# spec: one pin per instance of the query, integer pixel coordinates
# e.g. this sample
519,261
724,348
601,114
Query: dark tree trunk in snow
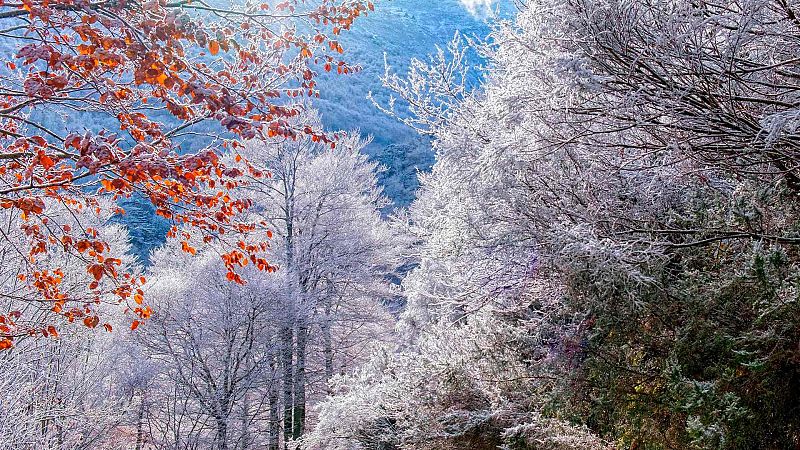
244,440
274,412
288,375
299,415
287,332
222,431
327,342
140,424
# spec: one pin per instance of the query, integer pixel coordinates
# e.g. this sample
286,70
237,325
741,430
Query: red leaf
96,270
91,321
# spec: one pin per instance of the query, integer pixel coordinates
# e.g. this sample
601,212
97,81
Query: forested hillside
603,254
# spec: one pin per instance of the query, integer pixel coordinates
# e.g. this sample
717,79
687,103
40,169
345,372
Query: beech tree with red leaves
157,71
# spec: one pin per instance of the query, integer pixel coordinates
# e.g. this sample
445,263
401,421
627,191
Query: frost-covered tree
335,251
212,342
622,189
60,392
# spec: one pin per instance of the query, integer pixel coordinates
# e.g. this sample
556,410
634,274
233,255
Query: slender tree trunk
287,337
244,441
140,424
58,427
300,380
287,332
274,411
60,435
222,432
327,341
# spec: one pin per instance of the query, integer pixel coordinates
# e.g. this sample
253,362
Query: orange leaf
213,47
188,248
135,325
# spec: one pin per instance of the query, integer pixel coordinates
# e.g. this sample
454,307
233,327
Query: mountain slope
399,30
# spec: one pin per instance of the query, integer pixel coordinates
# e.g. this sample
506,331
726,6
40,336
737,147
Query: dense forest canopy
602,256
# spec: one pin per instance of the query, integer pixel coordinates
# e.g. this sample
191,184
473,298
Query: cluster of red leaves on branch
238,67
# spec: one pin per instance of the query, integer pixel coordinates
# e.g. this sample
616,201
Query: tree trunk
140,424
274,412
300,380
244,441
222,432
288,327
288,376
327,342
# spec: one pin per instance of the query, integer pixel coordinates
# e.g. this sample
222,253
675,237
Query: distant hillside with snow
400,30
